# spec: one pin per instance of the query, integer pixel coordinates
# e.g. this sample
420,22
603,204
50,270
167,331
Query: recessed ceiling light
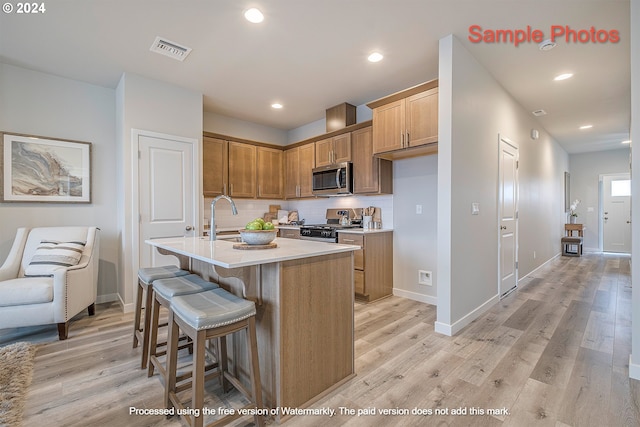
628,141
586,127
276,106
254,15
375,57
564,76
546,45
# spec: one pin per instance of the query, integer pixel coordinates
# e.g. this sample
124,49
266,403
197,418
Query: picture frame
44,170
567,195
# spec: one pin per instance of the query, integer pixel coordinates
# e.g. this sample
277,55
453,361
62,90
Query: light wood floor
553,353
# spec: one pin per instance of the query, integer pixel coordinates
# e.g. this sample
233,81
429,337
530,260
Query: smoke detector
546,45
170,49
539,113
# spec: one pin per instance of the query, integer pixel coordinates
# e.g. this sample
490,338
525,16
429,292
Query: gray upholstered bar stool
164,290
146,277
205,316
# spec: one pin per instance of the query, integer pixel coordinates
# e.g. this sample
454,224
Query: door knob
606,217
628,222
188,228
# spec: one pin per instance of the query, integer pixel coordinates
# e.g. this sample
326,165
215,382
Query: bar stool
204,316
146,277
164,290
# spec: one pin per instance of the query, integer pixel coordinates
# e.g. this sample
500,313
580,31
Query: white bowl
258,237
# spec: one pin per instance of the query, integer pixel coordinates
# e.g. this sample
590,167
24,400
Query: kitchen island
304,297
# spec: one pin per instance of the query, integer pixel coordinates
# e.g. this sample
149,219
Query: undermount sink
227,237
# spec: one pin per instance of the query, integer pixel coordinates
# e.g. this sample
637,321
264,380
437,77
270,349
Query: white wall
41,104
155,106
319,127
585,169
474,110
230,126
634,362
415,182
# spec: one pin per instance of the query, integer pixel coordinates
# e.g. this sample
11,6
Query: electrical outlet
424,278
534,254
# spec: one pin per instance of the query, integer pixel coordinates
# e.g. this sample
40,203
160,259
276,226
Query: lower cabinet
373,264
289,233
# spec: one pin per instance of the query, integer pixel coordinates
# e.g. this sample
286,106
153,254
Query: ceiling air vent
170,49
539,113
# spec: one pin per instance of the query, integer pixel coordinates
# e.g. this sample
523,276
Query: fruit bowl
258,237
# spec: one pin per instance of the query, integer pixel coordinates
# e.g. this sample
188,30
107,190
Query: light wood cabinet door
291,172
324,152
422,118
388,127
342,148
307,161
299,163
215,162
333,150
242,170
270,182
365,166
288,233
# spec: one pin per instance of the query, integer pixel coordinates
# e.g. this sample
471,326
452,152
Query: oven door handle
318,239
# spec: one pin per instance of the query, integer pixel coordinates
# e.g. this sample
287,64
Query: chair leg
147,323
172,361
256,390
153,336
136,318
63,330
197,377
92,309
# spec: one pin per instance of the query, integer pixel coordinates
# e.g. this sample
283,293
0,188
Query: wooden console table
570,240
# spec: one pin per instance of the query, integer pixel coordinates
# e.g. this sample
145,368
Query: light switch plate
418,209
475,208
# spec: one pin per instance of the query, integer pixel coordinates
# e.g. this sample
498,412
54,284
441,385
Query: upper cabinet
242,170
298,164
336,149
372,175
215,162
405,124
270,182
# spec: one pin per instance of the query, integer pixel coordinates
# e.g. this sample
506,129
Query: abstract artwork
39,169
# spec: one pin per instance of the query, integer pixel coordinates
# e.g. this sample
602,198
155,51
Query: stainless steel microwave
333,180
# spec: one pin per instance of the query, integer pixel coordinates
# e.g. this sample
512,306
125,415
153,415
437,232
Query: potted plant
573,215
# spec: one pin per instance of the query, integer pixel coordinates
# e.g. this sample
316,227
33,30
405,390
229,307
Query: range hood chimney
340,116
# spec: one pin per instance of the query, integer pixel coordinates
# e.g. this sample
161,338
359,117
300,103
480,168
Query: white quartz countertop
221,252
364,231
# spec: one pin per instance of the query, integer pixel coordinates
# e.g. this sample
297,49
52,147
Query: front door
616,213
167,194
507,216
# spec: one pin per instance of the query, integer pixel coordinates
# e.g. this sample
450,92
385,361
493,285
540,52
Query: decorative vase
572,219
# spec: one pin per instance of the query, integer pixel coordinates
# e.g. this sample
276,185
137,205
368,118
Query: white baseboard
539,267
450,330
634,369
126,308
106,298
428,299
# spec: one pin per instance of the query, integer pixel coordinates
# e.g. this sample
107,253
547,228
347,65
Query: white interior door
508,216
616,213
167,195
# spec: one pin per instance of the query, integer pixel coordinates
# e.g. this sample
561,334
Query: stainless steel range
337,219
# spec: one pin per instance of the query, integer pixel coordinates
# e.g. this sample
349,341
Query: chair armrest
11,265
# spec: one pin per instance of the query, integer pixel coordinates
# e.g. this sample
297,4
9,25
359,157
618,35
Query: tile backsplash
311,210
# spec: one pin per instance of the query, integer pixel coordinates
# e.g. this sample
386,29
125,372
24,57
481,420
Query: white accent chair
30,301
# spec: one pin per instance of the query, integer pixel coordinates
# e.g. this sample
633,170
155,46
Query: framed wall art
41,169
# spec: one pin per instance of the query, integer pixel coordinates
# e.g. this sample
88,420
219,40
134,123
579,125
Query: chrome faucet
212,226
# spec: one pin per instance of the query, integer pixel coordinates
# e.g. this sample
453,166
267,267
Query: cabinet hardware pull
408,138
402,139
